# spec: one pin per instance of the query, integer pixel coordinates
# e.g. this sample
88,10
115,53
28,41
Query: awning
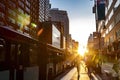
11,34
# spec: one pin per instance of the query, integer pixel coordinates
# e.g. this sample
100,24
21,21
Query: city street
83,73
73,74
59,39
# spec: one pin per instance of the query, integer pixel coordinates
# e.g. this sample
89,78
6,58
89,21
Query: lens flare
82,50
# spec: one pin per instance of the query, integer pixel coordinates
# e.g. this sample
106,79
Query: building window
20,10
117,18
27,2
118,34
103,35
107,31
117,3
111,39
107,42
20,18
2,6
2,23
106,22
2,15
27,9
33,54
55,36
21,3
19,24
11,12
111,26
110,15
11,3
110,2
11,20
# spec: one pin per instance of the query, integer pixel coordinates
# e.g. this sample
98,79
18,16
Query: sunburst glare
82,50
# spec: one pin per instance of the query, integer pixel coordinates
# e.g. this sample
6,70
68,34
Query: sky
81,18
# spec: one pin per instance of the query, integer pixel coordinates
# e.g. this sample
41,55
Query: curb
59,77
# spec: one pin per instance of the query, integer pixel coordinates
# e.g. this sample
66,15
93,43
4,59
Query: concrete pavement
70,74
73,74
83,74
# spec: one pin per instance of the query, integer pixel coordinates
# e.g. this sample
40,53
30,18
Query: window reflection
55,37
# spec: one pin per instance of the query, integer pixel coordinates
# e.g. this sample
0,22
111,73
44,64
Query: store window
33,55
23,54
3,55
2,50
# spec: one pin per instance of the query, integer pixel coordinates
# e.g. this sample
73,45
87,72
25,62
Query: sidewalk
83,72
67,74
72,74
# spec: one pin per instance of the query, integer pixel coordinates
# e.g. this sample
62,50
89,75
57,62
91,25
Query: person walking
77,64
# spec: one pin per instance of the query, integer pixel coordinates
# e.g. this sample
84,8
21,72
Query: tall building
61,16
39,12
23,15
75,45
70,50
34,11
15,13
90,41
44,7
21,54
110,27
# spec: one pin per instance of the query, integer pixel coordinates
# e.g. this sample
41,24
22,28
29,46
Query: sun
82,50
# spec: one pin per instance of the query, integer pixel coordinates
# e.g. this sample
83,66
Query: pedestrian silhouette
77,64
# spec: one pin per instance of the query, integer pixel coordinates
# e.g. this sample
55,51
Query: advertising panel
55,37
